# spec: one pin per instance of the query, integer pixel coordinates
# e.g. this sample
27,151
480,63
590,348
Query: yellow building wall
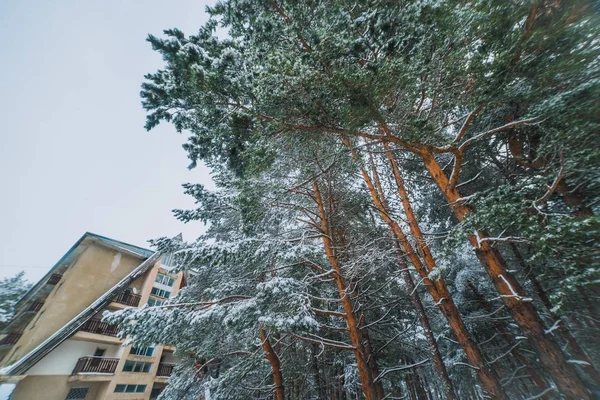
48,387
91,276
93,273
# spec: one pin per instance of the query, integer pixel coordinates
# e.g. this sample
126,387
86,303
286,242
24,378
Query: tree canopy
406,203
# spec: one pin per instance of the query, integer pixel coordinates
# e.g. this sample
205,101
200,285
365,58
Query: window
155,392
167,260
99,352
137,366
142,351
77,393
155,302
164,280
160,292
130,388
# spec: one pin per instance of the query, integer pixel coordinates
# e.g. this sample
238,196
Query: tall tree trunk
367,375
508,338
439,292
562,328
551,356
275,365
369,352
320,388
434,351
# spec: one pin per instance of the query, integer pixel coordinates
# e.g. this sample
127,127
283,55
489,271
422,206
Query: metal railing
54,279
35,306
165,369
95,365
96,325
128,298
11,338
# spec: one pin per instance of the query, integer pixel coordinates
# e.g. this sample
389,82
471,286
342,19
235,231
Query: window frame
126,386
75,388
158,292
156,302
164,279
134,365
134,351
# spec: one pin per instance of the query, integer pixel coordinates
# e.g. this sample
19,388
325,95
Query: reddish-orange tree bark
438,290
275,365
511,292
372,389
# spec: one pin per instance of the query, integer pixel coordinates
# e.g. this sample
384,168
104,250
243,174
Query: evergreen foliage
353,141
11,290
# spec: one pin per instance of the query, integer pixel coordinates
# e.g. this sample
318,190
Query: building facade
58,348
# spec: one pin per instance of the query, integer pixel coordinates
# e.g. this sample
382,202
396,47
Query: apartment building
58,348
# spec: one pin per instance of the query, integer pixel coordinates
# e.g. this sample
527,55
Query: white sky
74,156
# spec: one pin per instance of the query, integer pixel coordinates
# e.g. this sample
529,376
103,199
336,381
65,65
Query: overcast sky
74,156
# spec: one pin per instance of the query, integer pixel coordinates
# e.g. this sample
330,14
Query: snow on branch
324,342
466,365
510,125
537,203
205,304
542,393
516,239
400,368
553,327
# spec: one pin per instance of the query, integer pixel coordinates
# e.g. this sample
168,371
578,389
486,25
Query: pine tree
11,290
358,144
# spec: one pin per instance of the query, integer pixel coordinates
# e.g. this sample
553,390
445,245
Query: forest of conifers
405,203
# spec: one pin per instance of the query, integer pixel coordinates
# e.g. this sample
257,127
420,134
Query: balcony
11,338
128,298
95,365
164,369
54,279
35,306
96,325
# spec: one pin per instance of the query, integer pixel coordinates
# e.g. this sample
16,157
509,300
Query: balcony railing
128,298
35,306
11,338
165,369
96,325
54,279
95,365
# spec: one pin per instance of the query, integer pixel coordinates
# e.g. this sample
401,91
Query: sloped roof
147,257
74,252
117,243
30,359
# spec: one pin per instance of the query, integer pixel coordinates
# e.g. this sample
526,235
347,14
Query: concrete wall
93,273
84,282
52,388
62,360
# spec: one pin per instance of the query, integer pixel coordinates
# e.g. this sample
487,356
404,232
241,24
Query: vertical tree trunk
563,330
551,357
320,388
542,385
275,365
434,351
367,375
369,352
438,290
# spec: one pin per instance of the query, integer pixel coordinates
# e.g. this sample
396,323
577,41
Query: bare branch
510,125
466,125
400,368
552,187
325,342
